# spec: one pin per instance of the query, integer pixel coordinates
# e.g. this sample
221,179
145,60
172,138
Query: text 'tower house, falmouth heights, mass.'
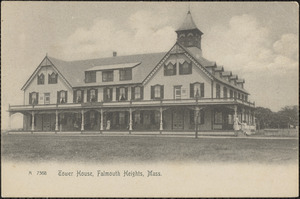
170,91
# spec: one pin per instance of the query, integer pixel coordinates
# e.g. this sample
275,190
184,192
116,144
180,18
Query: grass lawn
130,149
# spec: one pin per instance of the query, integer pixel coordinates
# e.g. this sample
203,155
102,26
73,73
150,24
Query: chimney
114,54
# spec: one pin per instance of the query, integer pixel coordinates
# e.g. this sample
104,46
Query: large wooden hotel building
170,91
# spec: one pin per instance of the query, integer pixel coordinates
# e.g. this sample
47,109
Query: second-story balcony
133,103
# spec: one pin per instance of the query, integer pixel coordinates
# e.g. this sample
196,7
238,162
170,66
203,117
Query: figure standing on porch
236,122
108,125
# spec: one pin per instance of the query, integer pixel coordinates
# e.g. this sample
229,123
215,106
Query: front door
177,119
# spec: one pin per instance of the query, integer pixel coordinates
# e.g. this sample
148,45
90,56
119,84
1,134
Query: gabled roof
73,71
188,23
240,81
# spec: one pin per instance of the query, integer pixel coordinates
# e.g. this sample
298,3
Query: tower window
170,69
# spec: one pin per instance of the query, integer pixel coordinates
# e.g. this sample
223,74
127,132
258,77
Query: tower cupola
188,34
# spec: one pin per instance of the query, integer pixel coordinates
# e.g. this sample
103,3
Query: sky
257,41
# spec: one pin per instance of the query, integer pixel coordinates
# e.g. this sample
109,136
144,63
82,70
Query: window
218,117
170,69
90,76
218,91
92,95
156,117
47,98
137,117
185,68
125,74
200,117
157,92
234,94
225,92
122,118
107,94
197,90
107,76
62,97
52,79
137,92
230,119
78,96
231,94
33,98
41,79
239,96
246,97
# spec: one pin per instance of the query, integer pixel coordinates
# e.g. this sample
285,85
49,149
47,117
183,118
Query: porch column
32,121
130,120
9,122
243,115
56,121
82,120
161,119
196,121
235,111
101,120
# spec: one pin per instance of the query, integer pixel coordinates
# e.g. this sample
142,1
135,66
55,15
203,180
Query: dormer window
170,69
185,68
52,79
107,76
90,76
41,79
125,74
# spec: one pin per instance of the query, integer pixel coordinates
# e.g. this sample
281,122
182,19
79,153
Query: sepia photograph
149,99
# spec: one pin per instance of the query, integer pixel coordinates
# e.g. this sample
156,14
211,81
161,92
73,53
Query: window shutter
190,68
96,93
132,93
74,96
111,94
152,92
126,93
117,94
30,99
191,90
58,96
162,92
88,95
165,70
142,92
202,89
66,94
48,78
174,69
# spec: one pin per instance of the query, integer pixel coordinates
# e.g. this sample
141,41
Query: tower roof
188,23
